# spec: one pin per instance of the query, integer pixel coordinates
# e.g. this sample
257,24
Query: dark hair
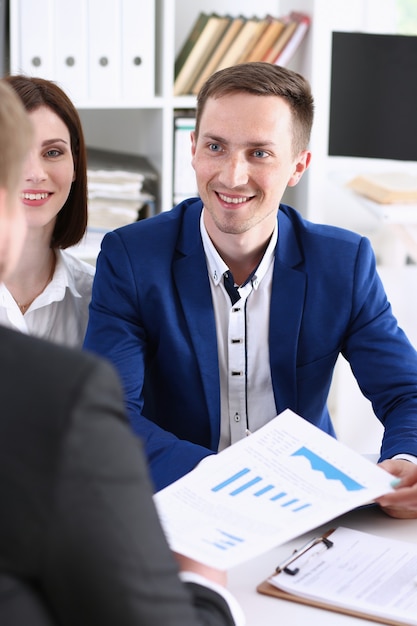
71,221
264,79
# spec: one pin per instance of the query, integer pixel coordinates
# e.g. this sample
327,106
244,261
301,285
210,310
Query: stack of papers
120,188
386,187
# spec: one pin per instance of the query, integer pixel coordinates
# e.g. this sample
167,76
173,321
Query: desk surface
261,610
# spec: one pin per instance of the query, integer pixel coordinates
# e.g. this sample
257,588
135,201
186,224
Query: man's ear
301,164
193,142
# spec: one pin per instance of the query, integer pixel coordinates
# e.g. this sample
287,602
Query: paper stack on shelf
386,187
122,189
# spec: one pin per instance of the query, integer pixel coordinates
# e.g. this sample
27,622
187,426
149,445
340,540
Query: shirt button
237,417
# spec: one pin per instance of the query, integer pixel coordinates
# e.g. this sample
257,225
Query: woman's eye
53,153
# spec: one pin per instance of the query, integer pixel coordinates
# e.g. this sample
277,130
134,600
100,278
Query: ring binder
283,567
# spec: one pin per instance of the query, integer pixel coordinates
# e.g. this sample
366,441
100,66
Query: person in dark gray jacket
80,539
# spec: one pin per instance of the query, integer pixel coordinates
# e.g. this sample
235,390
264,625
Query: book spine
190,41
303,24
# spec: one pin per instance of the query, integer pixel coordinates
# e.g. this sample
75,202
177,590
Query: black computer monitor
373,96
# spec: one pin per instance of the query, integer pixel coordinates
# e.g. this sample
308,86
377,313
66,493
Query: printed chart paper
280,482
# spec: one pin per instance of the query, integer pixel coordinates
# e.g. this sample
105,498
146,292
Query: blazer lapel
288,291
192,282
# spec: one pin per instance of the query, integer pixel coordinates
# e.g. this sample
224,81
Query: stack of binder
96,51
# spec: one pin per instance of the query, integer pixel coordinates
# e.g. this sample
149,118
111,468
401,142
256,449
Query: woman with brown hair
49,292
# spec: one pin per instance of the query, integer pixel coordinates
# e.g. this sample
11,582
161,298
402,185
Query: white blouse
60,312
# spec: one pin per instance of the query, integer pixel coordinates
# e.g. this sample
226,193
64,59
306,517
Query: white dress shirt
234,606
246,393
60,312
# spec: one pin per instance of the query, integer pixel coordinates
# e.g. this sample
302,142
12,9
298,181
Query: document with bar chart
278,483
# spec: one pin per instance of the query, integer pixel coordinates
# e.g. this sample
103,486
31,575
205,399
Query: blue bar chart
223,540
247,482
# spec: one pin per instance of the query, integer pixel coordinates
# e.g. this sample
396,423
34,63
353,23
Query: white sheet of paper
280,482
370,574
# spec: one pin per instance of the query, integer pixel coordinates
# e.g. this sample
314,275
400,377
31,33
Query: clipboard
289,566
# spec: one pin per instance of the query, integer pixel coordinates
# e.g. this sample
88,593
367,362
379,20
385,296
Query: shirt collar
62,280
217,267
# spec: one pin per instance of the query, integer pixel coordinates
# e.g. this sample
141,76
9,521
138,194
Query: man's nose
234,171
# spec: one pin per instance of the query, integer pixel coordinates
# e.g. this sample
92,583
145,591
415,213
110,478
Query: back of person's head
15,138
264,79
34,92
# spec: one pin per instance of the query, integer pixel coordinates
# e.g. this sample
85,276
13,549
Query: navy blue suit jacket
152,316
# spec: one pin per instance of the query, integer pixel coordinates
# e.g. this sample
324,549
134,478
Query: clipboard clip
284,566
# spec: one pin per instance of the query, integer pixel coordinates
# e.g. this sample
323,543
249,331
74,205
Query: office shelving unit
141,120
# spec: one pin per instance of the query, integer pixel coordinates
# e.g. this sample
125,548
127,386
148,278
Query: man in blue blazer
226,310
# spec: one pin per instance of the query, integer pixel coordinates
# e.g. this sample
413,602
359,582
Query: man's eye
214,147
260,154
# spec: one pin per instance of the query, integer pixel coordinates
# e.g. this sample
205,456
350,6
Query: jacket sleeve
116,332
107,559
382,358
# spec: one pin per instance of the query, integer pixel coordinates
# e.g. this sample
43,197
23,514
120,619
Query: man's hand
189,565
403,502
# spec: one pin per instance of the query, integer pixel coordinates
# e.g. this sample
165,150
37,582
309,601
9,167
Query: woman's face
48,172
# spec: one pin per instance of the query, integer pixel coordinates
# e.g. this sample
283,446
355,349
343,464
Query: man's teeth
34,196
232,200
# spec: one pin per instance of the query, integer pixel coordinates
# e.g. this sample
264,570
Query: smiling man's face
244,160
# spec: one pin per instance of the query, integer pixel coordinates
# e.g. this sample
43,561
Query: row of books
216,42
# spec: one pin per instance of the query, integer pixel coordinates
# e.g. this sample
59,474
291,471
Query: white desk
392,228
398,234
262,610
355,421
